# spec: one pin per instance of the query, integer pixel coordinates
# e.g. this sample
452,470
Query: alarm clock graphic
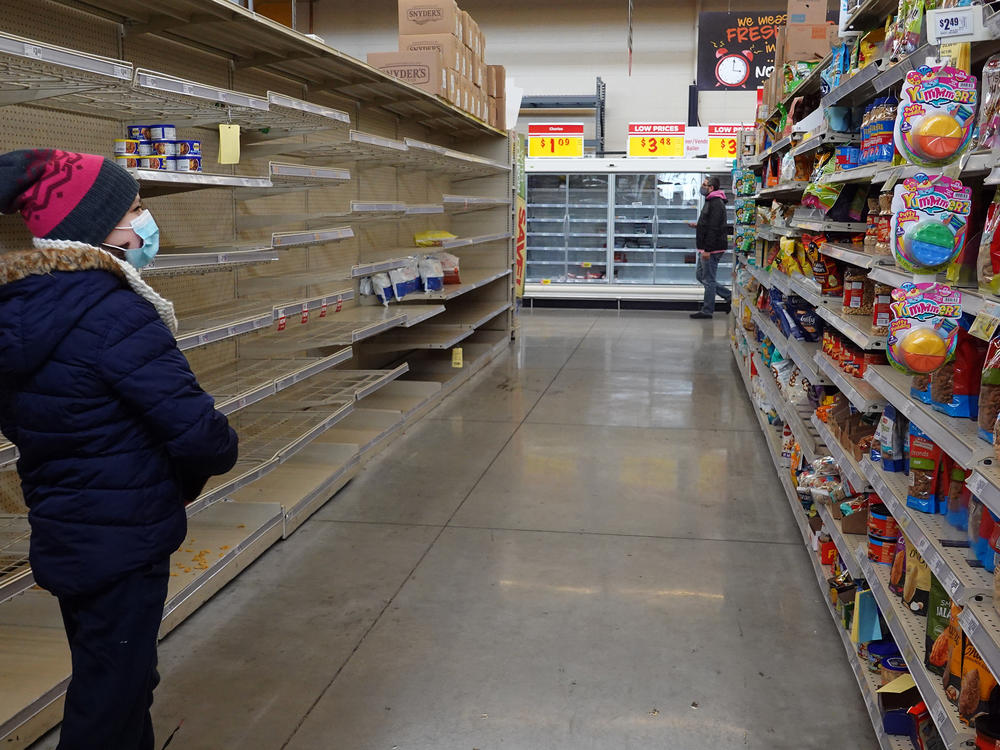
733,68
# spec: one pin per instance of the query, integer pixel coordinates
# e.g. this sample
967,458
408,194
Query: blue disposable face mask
145,226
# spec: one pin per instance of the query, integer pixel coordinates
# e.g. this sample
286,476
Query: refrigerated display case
616,229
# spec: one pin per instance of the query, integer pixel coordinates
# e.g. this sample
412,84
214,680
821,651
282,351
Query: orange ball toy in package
936,115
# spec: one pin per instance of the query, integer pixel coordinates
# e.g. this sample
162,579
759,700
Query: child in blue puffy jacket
114,433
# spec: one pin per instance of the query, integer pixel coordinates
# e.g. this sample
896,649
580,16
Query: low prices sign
722,140
562,140
656,138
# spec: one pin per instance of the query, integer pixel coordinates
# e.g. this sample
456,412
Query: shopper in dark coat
114,433
712,242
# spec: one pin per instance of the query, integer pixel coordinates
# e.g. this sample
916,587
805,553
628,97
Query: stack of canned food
157,147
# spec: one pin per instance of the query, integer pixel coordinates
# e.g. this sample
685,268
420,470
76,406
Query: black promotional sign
736,50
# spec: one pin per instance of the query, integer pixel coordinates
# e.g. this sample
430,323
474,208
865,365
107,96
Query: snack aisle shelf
845,543
852,254
800,352
851,327
868,683
849,467
861,394
908,630
959,438
943,547
807,441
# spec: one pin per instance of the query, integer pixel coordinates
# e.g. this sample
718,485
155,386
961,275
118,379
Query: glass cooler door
635,228
587,229
547,221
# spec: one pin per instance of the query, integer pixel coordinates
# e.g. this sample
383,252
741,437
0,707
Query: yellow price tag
567,147
723,140
587,265
656,139
664,145
546,282
722,148
986,322
456,357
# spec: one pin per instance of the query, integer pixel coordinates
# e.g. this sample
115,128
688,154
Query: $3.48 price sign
662,146
555,140
656,139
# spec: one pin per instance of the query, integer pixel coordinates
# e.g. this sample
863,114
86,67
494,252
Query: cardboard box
454,83
466,95
501,123
496,80
476,41
806,12
805,42
428,17
468,69
466,28
491,110
482,44
856,523
479,74
449,45
425,70
779,48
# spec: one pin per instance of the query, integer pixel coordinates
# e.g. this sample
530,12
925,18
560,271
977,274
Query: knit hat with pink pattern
64,195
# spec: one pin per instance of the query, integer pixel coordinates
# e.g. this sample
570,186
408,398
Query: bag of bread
917,584
938,642
977,687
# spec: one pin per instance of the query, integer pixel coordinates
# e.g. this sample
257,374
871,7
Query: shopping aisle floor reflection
585,548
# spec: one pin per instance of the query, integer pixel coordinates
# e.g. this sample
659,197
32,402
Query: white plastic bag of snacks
405,279
431,274
382,287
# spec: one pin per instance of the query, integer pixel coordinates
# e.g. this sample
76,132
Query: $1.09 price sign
723,140
563,140
652,139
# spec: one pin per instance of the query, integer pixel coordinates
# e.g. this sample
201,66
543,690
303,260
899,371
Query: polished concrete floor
585,548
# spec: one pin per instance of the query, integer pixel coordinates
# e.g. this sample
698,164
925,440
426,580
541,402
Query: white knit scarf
164,308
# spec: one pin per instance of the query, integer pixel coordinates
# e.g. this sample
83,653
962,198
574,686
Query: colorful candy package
936,115
929,219
923,332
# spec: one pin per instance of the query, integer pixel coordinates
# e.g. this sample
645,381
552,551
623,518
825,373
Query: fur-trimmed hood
38,262
44,292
